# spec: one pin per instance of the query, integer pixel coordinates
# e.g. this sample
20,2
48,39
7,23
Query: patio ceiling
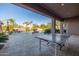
60,11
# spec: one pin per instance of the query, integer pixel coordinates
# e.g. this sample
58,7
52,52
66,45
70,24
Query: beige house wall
72,26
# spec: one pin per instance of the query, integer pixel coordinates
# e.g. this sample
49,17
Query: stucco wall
72,26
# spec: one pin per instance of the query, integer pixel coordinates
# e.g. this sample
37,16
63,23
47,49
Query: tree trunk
1,28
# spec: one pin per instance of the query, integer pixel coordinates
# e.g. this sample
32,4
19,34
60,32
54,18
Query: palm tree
1,23
4,27
7,24
12,23
35,27
27,23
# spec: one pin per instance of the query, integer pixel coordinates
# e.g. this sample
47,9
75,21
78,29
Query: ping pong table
60,39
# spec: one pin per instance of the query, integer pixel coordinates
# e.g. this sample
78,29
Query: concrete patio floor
25,44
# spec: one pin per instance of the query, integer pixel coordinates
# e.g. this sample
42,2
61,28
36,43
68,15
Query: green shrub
47,31
3,37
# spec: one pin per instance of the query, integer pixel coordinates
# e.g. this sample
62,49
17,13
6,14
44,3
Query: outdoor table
60,39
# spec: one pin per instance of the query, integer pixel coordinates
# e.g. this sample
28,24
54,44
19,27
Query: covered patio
67,14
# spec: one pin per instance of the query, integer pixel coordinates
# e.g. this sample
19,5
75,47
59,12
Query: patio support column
53,28
54,34
61,28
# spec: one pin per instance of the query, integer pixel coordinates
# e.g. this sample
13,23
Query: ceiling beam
73,17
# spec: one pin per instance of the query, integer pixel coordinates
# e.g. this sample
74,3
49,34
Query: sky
20,14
